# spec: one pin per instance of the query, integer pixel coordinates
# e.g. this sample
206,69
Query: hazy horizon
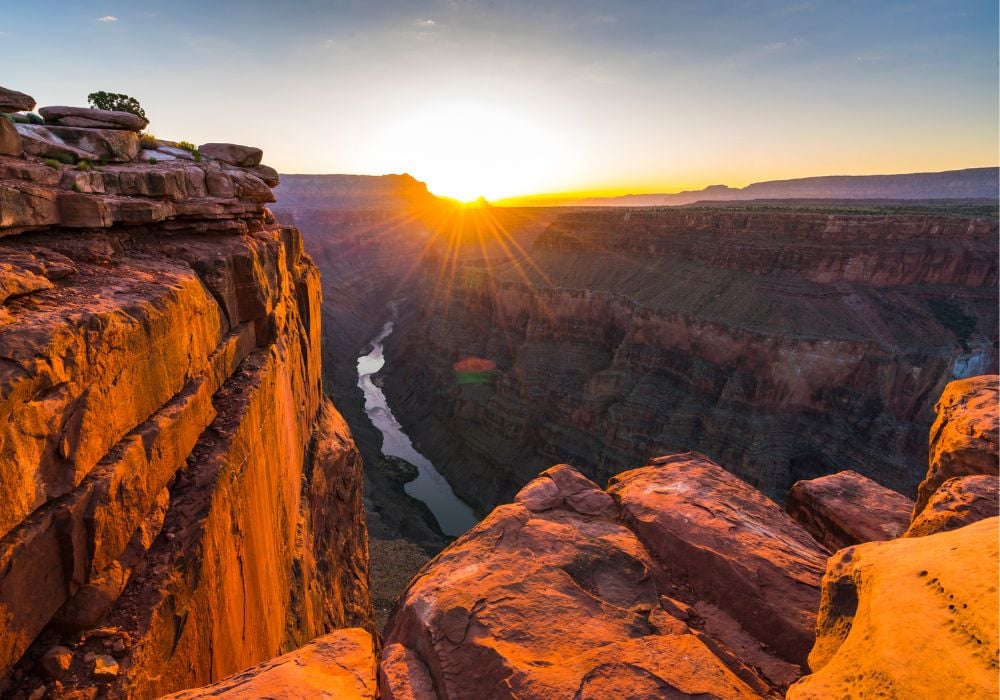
507,100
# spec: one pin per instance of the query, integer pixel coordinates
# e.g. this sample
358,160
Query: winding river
453,515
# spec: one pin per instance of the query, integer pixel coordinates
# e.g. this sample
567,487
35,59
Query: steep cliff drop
180,500
680,580
784,342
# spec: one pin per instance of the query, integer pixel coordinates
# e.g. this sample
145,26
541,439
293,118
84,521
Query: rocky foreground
680,580
180,500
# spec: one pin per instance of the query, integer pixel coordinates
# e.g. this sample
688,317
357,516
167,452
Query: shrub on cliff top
116,102
190,148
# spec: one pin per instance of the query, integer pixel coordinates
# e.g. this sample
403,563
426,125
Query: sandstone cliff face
181,501
784,345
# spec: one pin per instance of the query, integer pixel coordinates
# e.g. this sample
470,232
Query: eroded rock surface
181,501
964,437
338,665
847,508
658,587
914,617
957,502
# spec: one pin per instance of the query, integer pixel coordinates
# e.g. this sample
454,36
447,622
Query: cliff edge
181,501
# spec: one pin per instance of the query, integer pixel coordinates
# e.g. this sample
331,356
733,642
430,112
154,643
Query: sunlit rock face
180,500
679,579
783,344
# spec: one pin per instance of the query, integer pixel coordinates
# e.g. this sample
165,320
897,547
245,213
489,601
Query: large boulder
847,508
338,665
14,101
964,436
549,597
92,118
729,545
113,145
909,618
37,140
958,502
234,154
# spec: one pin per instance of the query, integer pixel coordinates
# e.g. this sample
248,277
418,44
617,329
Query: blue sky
521,97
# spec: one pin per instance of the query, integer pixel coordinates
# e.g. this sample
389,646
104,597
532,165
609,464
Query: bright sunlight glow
466,151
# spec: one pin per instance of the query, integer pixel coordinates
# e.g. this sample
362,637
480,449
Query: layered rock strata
679,579
181,501
784,344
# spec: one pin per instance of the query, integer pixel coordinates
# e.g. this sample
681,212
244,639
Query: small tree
116,102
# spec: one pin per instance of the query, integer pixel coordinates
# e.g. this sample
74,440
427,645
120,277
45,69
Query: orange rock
957,502
552,596
964,436
909,618
847,508
338,665
729,545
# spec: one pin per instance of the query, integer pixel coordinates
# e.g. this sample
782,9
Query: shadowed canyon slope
783,344
181,500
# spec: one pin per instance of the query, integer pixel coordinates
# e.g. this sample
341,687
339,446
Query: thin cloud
107,18
425,23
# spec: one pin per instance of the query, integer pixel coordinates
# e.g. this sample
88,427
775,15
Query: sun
466,150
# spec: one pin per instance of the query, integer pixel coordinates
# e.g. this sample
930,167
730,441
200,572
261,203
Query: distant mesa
971,183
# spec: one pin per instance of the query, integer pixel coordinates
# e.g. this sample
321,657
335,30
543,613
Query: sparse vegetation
64,158
148,140
76,187
83,166
53,163
951,316
27,118
192,149
152,161
116,102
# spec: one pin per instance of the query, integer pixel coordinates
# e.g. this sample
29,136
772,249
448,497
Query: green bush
64,158
76,187
148,140
153,161
34,118
53,163
192,149
83,166
116,102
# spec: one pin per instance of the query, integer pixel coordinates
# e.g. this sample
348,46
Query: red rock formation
964,437
339,665
661,587
909,618
785,345
846,508
179,496
957,502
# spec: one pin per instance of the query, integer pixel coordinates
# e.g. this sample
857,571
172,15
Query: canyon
733,452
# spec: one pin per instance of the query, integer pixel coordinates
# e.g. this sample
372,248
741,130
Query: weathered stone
78,210
741,552
234,154
958,502
548,597
266,173
909,618
113,145
89,182
964,437
14,101
10,139
339,665
847,508
37,140
92,118
27,206
104,667
56,661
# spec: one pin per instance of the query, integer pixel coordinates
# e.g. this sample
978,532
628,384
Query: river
453,515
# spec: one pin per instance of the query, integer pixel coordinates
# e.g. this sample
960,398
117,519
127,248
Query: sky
508,98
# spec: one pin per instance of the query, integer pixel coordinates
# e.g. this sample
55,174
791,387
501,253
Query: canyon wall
181,500
783,344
